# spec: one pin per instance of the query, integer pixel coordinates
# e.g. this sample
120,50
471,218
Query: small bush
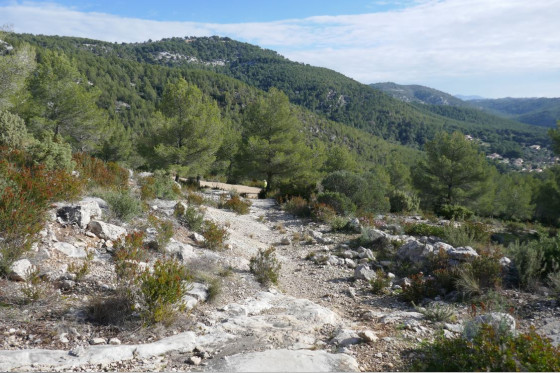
112,310
214,235
339,223
123,204
381,283
162,290
128,252
164,231
98,173
160,186
238,205
322,212
194,199
466,234
338,201
298,206
535,260
483,273
33,288
489,351
554,283
420,287
83,270
455,212
437,312
403,201
265,266
192,219
423,229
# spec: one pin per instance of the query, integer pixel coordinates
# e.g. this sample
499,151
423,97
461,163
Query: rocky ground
321,316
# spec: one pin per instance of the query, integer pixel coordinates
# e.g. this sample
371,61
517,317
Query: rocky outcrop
20,269
79,214
106,231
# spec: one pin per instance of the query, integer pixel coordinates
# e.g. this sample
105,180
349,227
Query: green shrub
535,260
164,231
162,291
489,351
322,212
13,132
33,288
123,204
482,274
194,199
420,287
238,205
402,201
160,185
380,283
338,201
81,270
265,266
52,152
192,219
129,250
298,206
437,312
423,229
214,235
455,212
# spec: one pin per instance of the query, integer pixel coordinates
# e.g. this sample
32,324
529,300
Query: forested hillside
536,111
325,92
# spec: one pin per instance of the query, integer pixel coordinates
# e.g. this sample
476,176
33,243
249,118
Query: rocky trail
320,317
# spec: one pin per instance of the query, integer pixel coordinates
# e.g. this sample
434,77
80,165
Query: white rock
20,269
114,341
97,341
199,291
363,272
106,231
79,214
466,253
70,250
285,241
198,238
194,360
346,337
368,336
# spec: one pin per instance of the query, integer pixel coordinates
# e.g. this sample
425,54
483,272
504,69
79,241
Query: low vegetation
265,266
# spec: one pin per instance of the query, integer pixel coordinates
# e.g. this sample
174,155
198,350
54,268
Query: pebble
97,341
114,341
194,360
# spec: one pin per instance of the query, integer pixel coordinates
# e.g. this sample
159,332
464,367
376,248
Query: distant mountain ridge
322,91
541,111
418,94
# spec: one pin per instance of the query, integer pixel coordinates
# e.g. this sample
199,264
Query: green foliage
63,102
514,197
297,206
192,218
160,185
380,283
455,212
13,133
187,134
555,136
272,144
238,205
483,273
339,158
265,266
437,312
465,234
454,171
536,259
162,290
402,201
547,197
214,235
337,201
124,205
164,231
81,270
489,351
129,251
423,229
33,288
420,287
14,69
52,152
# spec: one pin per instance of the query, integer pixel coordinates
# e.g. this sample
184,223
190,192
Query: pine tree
188,132
453,172
272,145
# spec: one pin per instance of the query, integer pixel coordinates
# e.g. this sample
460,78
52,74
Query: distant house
535,147
518,162
469,137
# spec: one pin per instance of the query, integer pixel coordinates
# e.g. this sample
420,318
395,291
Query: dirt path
251,192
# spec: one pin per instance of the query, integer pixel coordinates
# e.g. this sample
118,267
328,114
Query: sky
490,48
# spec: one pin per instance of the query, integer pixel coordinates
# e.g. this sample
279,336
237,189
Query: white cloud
435,39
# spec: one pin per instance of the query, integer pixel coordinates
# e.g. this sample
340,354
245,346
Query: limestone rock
466,253
285,241
194,360
364,272
106,231
97,341
70,250
415,251
368,336
20,269
198,238
346,337
79,214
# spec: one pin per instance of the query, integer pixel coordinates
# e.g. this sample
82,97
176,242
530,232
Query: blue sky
491,48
